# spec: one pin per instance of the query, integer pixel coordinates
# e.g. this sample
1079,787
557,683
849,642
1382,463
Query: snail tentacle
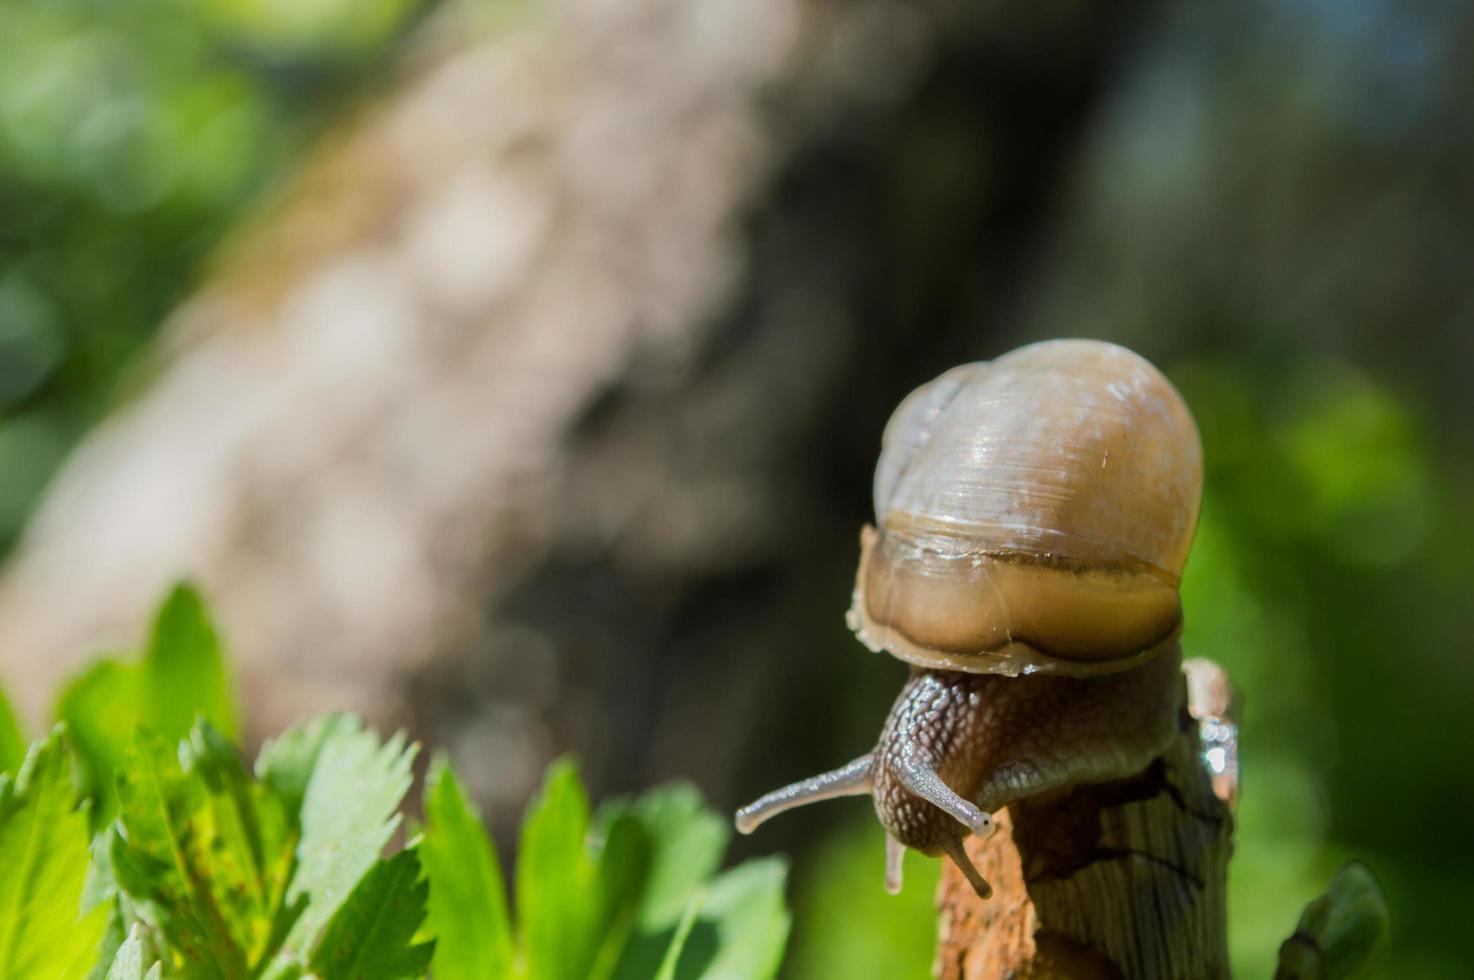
958,854
923,781
851,779
895,855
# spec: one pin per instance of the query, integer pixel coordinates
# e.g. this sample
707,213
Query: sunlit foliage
131,134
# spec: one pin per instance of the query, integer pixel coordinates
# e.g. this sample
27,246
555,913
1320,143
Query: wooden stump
1117,880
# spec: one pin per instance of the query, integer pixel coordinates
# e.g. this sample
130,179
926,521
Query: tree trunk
569,356
1107,882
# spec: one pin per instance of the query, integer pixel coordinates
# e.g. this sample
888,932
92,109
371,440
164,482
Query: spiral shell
1034,513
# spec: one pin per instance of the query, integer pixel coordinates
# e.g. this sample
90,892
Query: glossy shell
1034,513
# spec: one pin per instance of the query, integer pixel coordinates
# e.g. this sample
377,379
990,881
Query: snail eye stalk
851,779
922,780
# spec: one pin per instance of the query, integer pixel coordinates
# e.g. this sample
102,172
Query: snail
1034,516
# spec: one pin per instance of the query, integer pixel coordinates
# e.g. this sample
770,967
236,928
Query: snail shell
1034,513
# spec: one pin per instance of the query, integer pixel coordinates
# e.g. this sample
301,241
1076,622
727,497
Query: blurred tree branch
368,399
522,392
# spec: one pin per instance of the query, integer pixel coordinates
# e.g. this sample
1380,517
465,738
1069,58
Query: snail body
1034,516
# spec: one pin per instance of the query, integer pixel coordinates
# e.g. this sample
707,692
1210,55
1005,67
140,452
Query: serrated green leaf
12,739
468,905
371,937
205,852
43,863
557,906
244,842
160,858
128,963
349,811
286,763
184,670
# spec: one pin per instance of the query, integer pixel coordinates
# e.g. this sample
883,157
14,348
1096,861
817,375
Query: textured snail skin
1034,514
995,739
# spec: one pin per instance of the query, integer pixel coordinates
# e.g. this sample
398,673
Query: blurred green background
1274,203
132,133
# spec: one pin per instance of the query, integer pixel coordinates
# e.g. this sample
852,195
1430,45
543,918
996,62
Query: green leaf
181,677
101,709
12,740
468,906
101,890
557,906
678,942
1342,934
371,937
205,853
746,907
686,841
160,857
244,842
624,848
113,937
43,864
689,840
286,763
348,813
184,670
128,963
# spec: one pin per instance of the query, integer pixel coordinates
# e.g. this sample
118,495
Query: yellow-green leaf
12,740
43,863
242,841
157,860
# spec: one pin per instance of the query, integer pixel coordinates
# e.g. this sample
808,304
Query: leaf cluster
136,844
628,892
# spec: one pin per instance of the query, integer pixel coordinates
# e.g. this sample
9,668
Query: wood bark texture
1116,881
